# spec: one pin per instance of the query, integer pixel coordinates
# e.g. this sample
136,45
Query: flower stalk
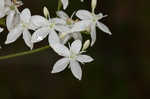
24,53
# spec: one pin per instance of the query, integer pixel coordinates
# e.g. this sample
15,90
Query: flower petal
40,34
62,15
53,38
14,34
2,3
76,69
39,21
80,26
25,15
93,34
1,29
60,65
27,38
104,28
58,21
76,46
12,20
61,50
77,36
84,15
84,59
65,3
62,28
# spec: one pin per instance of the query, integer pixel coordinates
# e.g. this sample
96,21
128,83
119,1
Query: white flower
22,28
67,35
66,2
91,21
12,12
72,58
47,27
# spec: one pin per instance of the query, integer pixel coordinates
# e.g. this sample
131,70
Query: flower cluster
60,31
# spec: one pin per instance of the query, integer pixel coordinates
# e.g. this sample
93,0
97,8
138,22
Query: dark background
121,69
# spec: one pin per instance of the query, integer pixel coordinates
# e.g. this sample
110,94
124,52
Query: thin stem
24,53
59,5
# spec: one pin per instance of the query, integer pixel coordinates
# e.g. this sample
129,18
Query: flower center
73,56
12,7
52,25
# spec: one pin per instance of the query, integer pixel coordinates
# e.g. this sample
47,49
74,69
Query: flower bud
86,45
93,5
46,12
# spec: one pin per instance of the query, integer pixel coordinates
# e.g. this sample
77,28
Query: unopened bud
93,5
46,12
86,45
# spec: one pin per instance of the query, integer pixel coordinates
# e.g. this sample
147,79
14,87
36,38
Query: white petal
76,46
27,38
58,21
2,3
81,26
14,34
103,27
1,29
62,15
93,34
39,21
65,3
53,38
61,50
84,59
62,28
77,36
12,20
25,15
60,65
65,38
76,69
84,15
40,34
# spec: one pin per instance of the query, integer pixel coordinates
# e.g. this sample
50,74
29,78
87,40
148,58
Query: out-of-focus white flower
46,27
66,2
91,21
67,35
72,57
22,28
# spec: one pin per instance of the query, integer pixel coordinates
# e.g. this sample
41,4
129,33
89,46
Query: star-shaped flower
22,28
91,21
47,27
72,57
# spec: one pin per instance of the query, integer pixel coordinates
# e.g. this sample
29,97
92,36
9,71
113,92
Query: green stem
24,53
59,5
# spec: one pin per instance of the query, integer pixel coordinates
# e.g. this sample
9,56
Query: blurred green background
121,69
